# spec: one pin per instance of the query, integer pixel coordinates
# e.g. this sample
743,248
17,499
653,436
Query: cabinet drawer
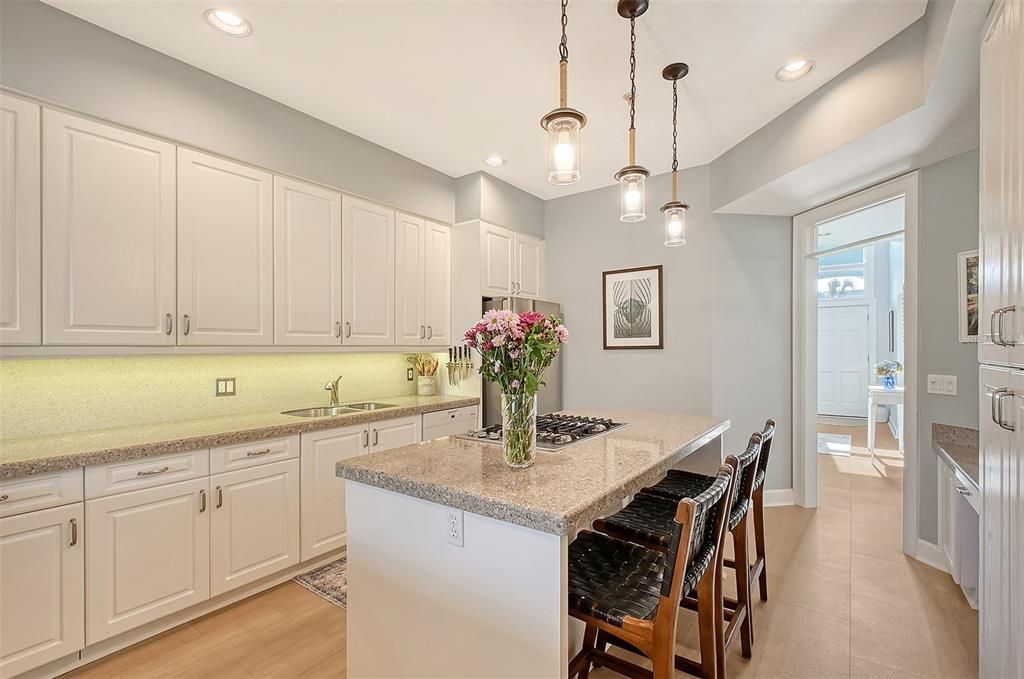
119,477
967,489
40,491
465,416
242,455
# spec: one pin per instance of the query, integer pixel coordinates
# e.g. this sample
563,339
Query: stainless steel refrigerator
549,398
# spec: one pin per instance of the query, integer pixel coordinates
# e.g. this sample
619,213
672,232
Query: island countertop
562,492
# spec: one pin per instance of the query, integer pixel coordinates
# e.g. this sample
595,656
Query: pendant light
563,124
633,177
674,211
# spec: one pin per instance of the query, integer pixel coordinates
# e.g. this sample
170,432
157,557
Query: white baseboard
932,555
779,497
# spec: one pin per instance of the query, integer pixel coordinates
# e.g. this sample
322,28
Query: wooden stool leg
759,541
706,619
742,561
589,639
719,615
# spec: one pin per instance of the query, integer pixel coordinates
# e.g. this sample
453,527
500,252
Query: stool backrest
748,465
767,434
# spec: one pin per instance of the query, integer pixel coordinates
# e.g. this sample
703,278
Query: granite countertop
959,447
562,492
21,457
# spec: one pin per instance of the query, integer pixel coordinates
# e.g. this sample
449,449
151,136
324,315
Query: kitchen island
457,564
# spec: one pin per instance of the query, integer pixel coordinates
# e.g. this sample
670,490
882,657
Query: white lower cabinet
42,588
254,530
148,556
401,431
323,492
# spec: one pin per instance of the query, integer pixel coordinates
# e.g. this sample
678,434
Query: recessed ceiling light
795,69
494,160
228,22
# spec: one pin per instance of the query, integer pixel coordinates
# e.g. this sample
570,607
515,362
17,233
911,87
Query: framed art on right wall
967,295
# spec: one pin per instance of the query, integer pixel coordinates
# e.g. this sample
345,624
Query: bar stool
644,522
630,594
758,569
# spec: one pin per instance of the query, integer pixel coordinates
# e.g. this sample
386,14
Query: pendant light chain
563,61
632,73
563,46
675,135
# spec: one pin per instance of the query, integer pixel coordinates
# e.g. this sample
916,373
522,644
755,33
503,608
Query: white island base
496,605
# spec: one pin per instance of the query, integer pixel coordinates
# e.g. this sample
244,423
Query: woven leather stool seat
610,579
679,484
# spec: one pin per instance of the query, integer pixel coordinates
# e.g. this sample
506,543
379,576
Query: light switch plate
944,385
225,386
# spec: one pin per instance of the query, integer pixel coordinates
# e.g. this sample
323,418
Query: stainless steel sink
328,411
369,406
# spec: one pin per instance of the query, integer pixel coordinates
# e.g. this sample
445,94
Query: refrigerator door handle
1002,314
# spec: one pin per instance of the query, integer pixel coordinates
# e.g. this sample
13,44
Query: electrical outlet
225,386
453,527
944,385
408,375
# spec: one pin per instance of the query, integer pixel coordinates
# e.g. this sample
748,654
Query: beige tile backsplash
41,397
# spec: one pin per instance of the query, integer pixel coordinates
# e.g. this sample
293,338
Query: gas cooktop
554,432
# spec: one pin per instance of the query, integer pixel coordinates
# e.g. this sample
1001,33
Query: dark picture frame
633,308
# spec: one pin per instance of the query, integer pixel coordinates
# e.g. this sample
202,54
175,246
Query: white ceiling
446,83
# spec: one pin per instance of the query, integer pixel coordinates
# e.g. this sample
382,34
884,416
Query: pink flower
528,319
563,333
515,384
498,340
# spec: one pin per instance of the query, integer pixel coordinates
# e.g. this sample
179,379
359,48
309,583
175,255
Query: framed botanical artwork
633,309
967,297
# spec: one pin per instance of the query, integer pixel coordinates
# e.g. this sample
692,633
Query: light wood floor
844,602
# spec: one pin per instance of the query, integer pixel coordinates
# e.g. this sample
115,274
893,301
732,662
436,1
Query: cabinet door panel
410,321
368,270
529,267
148,556
225,252
307,264
437,288
497,253
323,492
402,431
255,524
20,276
42,587
108,234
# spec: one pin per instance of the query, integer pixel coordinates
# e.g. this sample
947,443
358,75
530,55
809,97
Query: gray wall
52,55
727,311
483,196
949,224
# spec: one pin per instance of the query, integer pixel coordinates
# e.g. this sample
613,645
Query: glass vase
519,429
889,382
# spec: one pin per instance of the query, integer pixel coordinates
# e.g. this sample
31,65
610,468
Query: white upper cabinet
529,279
437,283
20,277
497,252
225,252
410,316
108,234
307,264
368,270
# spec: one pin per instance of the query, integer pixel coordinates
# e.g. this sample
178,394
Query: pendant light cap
676,71
558,113
632,169
631,9
674,205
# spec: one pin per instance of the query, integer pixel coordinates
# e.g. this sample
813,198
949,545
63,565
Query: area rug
834,444
329,582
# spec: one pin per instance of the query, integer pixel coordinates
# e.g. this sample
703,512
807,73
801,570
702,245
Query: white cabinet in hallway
254,525
368,269
323,493
42,587
423,280
108,234
20,277
148,556
307,264
225,252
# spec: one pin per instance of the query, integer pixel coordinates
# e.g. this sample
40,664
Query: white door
148,556
307,264
254,528
225,252
108,234
20,275
368,269
410,320
401,431
42,588
437,284
323,492
843,360
497,253
529,279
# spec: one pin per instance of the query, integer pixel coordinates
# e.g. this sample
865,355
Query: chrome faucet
332,387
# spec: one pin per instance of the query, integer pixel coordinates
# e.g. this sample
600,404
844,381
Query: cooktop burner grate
554,431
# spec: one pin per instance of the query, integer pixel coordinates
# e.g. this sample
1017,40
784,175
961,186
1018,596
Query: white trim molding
805,342
932,555
778,497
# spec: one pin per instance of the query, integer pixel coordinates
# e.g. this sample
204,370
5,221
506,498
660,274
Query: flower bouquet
515,349
888,370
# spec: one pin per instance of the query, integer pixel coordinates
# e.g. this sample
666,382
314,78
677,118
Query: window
843,275
883,219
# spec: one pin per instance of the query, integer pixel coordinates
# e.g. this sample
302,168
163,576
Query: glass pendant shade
632,201
563,149
675,224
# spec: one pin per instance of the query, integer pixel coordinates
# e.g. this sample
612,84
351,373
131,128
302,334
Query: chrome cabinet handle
430,332
151,472
202,500
337,328
169,322
1002,314
220,497
366,439
1008,426
257,453
993,333
963,490
188,324
995,400
423,331
348,329
3,497
375,437
74,532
